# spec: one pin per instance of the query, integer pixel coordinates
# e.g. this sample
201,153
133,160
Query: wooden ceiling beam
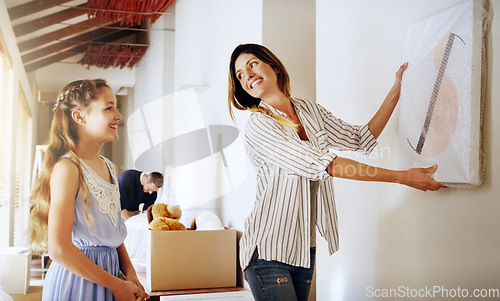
78,49
55,58
59,34
52,19
32,7
75,41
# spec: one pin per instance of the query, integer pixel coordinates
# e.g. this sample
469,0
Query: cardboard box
15,267
180,260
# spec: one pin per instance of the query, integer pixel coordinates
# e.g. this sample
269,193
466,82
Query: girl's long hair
62,140
240,99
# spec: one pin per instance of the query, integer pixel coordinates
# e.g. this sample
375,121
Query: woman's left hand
399,73
380,119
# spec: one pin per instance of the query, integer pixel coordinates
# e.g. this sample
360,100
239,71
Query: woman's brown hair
240,99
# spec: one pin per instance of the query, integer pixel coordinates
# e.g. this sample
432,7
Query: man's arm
125,214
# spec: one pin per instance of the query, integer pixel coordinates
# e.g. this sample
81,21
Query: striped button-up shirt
280,223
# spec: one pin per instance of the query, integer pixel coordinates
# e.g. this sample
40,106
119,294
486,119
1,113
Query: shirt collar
295,104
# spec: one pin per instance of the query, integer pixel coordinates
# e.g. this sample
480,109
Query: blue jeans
274,280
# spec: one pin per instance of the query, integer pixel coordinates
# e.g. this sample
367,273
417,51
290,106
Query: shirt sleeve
269,142
344,136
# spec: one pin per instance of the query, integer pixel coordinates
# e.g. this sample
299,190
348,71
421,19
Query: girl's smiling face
257,78
102,116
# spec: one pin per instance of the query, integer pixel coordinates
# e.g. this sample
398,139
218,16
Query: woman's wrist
396,90
400,176
329,167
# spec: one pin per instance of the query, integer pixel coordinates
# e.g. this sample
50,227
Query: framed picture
442,94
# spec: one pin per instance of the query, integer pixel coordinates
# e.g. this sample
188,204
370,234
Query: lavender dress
98,243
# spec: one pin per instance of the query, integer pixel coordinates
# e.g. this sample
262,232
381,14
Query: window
6,110
15,157
22,171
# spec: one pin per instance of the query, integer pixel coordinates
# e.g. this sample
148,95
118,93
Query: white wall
289,31
150,69
154,76
196,55
206,34
393,236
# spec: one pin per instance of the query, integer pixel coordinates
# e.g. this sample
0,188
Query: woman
75,211
290,141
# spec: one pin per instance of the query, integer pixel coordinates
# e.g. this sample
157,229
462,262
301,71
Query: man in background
137,187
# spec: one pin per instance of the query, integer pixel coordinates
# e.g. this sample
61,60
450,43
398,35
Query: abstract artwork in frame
442,94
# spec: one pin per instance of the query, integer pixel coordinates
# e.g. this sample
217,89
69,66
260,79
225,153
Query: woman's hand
130,291
399,77
381,117
420,178
399,73
396,89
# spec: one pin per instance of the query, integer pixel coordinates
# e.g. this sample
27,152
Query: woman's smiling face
256,77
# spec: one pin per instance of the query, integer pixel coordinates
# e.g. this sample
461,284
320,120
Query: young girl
290,141
75,212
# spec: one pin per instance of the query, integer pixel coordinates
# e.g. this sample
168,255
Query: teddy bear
164,217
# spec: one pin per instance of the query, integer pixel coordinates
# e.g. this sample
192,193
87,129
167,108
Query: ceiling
53,37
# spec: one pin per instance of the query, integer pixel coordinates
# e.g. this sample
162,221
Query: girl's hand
135,280
420,178
129,291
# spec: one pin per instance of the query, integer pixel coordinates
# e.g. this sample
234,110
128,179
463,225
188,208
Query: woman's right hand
128,291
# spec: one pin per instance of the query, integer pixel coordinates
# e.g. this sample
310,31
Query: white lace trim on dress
106,194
